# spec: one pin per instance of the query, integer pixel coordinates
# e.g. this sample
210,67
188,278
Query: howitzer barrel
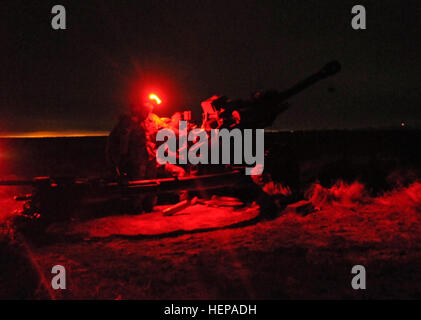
328,70
263,110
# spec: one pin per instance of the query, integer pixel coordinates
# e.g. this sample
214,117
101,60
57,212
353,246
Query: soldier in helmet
131,148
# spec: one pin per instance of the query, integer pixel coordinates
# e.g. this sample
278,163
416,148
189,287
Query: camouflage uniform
131,151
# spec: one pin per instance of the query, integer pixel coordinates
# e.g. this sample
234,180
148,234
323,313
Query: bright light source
154,97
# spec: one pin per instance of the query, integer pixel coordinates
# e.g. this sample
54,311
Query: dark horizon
79,79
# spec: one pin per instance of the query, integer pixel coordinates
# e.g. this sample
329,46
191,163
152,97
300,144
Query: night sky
81,78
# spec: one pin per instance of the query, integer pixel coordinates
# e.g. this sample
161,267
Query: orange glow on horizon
53,134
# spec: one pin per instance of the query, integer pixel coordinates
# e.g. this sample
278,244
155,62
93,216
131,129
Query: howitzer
58,199
262,109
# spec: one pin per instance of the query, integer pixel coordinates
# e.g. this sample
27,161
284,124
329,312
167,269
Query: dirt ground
220,253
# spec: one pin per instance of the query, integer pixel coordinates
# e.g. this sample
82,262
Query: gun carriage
57,199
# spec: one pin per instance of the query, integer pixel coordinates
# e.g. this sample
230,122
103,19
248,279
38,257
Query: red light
155,98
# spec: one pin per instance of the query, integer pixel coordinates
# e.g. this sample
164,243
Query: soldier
131,148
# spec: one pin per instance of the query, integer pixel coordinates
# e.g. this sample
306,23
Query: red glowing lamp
154,97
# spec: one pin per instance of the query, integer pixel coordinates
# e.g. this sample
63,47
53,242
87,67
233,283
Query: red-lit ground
292,256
